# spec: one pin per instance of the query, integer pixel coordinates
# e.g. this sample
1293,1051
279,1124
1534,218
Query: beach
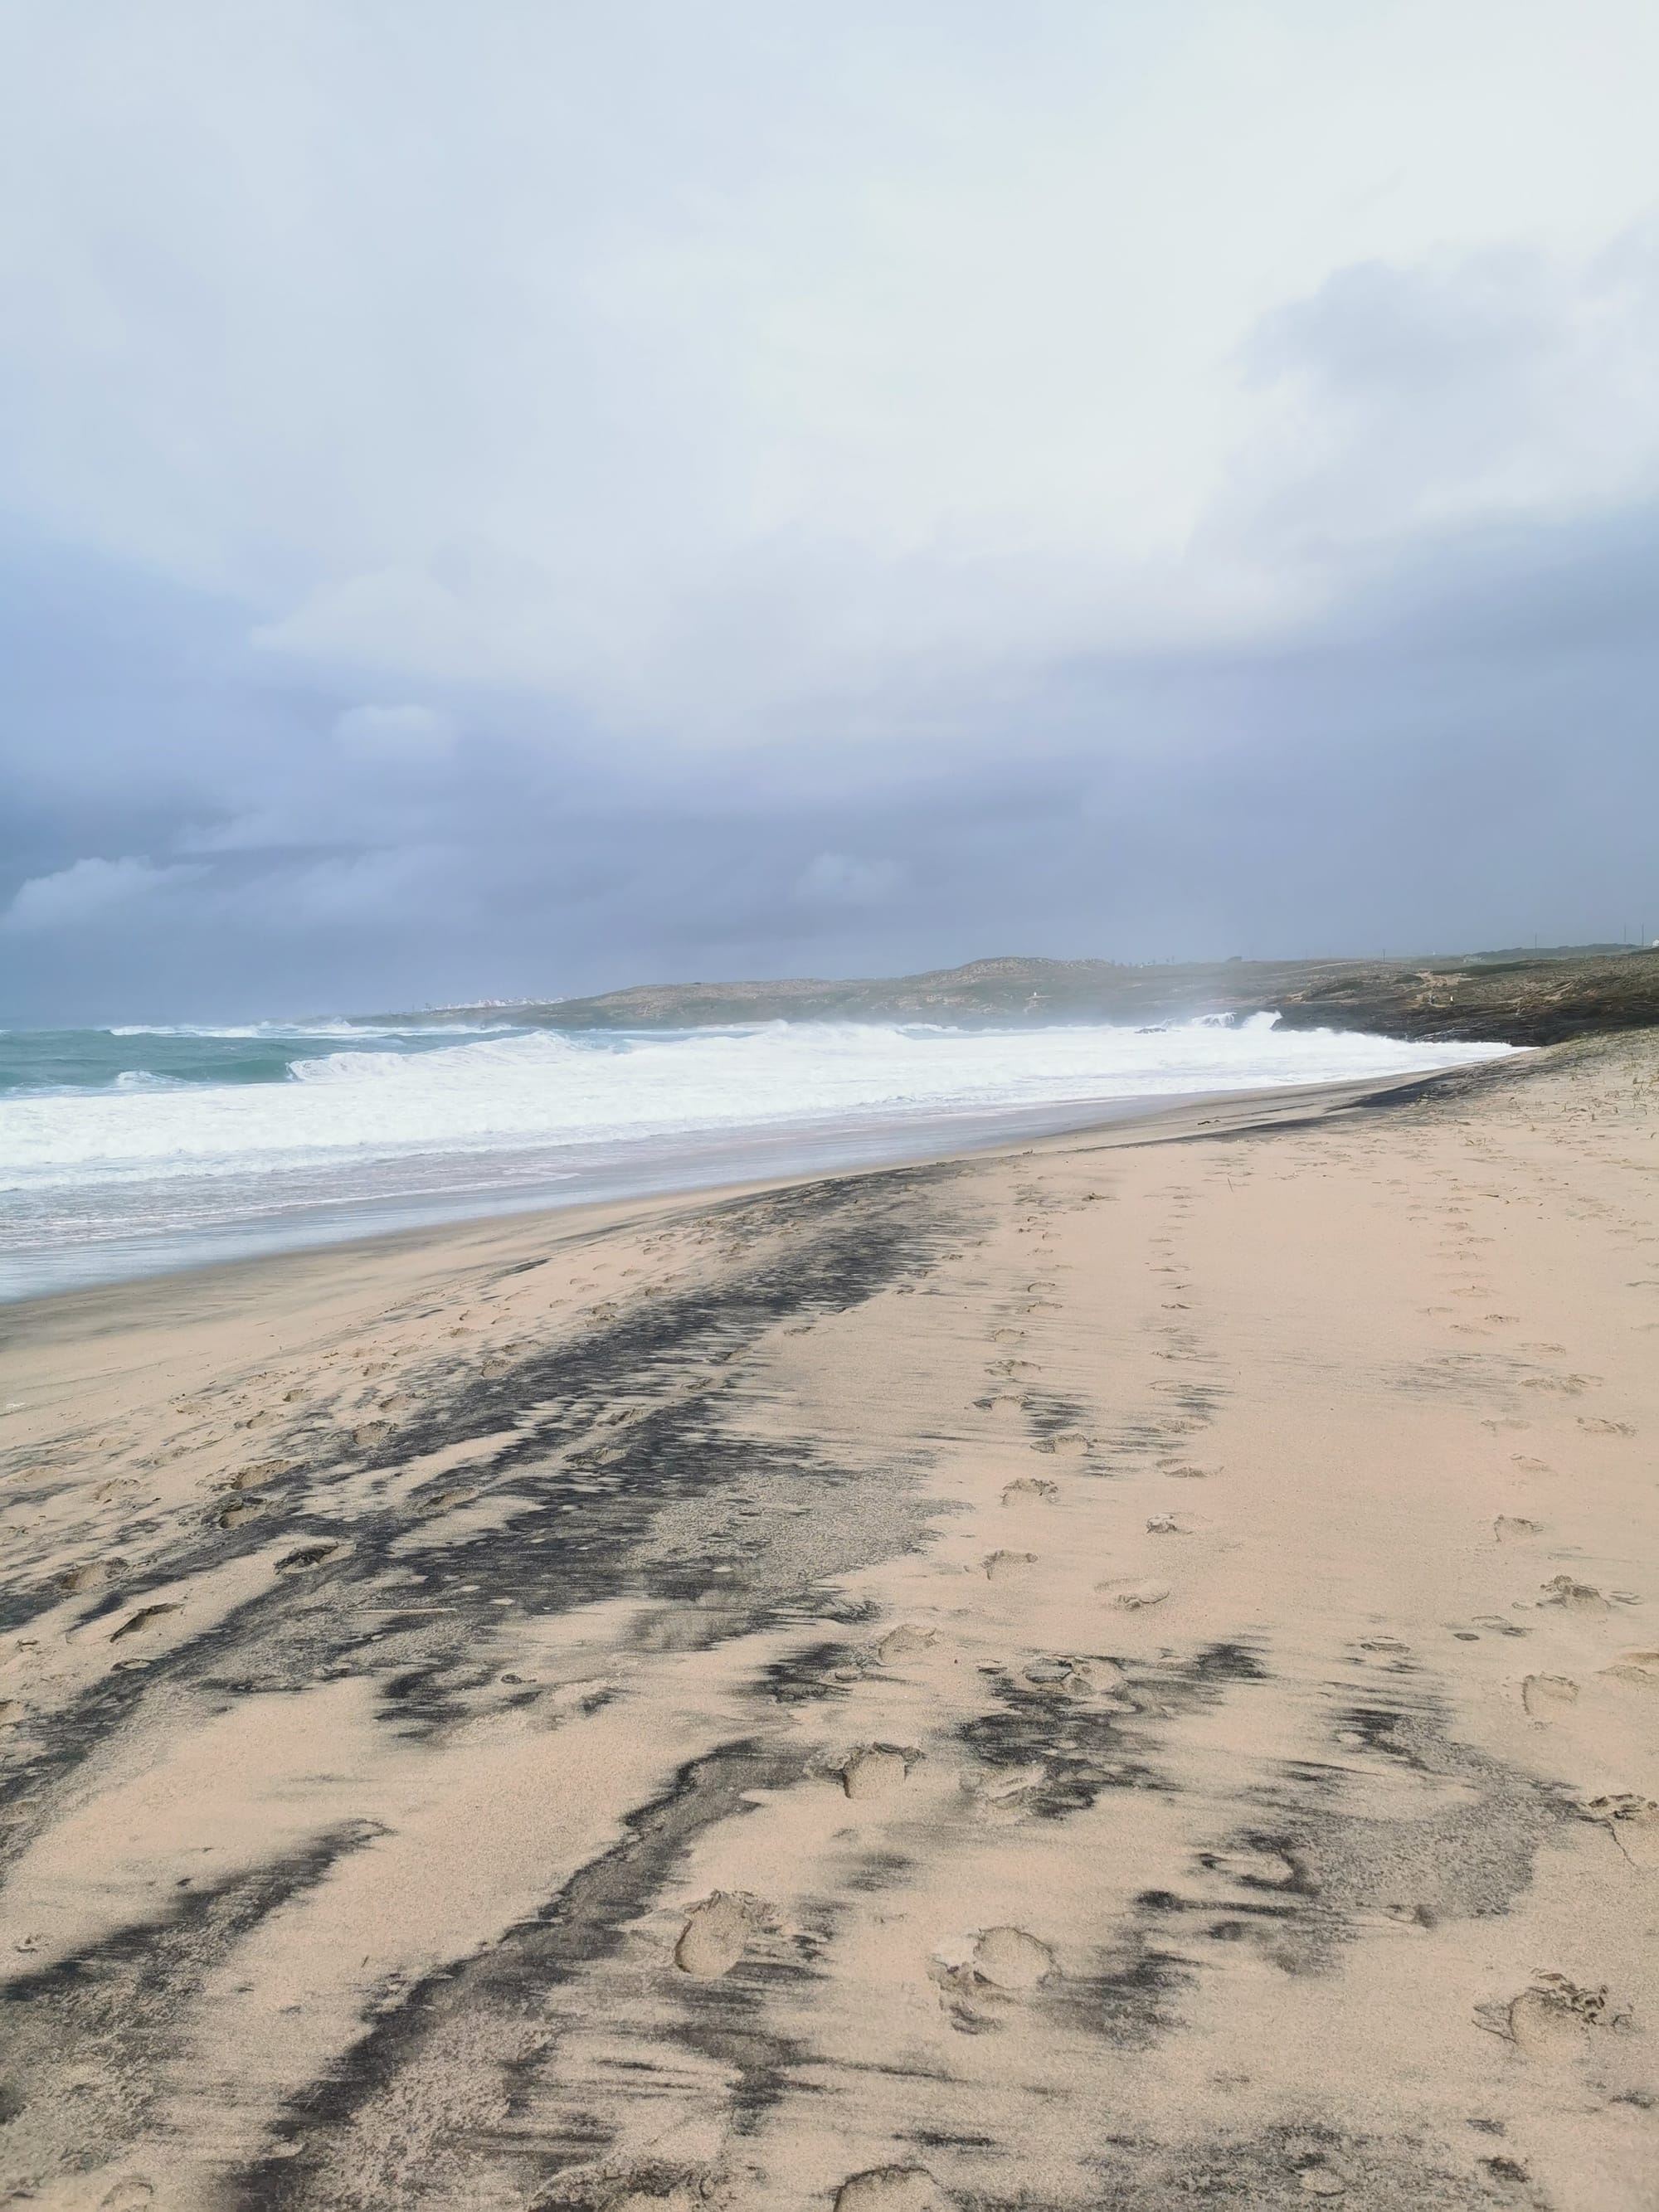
1119,1670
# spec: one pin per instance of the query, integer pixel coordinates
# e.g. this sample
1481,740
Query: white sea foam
348,1108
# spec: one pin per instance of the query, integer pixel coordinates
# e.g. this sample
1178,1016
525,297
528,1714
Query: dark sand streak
842,1242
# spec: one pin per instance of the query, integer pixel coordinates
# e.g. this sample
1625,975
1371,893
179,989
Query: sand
1120,1674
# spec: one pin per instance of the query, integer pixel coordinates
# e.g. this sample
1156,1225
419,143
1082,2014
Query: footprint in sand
1175,1524
1068,1444
1546,1697
1010,1959
1002,1565
891,2189
1634,1824
1639,1669
245,1508
717,1934
92,1574
1184,1473
11,1712
1553,2020
1321,2181
875,1771
901,1643
309,1556
1006,1401
462,1494
136,1621
1076,1678
131,2195
1515,1528
1573,1596
1135,1596
1599,1428
250,1478
1256,1865
1007,1336
1026,1488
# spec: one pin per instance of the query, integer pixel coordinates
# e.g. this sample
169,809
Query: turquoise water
95,1059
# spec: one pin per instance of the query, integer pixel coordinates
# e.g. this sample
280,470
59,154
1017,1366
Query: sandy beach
1123,1672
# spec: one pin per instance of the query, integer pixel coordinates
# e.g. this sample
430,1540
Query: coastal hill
1518,997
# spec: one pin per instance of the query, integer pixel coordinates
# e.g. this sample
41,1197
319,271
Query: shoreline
333,1230
1118,1668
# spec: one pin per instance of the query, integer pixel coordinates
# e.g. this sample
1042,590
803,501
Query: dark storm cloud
785,519
1466,754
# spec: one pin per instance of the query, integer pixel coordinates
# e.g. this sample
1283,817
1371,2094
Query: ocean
128,1152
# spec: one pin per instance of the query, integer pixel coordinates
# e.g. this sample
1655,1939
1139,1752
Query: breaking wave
203,1127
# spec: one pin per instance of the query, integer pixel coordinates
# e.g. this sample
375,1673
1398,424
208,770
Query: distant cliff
1518,997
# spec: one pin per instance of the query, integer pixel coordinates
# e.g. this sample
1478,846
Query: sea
129,1151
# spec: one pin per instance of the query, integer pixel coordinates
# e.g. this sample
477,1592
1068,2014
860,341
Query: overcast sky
512,498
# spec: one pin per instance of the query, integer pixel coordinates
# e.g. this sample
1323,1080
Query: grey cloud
1436,764
403,732
1509,386
833,879
89,892
684,518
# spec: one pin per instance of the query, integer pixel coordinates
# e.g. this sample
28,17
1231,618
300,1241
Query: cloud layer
527,503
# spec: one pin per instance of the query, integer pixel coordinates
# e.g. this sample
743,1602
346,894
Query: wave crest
530,1089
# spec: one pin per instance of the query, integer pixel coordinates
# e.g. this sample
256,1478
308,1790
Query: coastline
611,1708
136,1154
744,1165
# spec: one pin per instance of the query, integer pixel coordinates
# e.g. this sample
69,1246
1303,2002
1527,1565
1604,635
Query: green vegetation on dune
1517,998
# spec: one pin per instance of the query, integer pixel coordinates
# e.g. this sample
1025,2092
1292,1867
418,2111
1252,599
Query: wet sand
1124,1672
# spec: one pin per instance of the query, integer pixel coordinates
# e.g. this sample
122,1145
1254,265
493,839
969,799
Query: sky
516,499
